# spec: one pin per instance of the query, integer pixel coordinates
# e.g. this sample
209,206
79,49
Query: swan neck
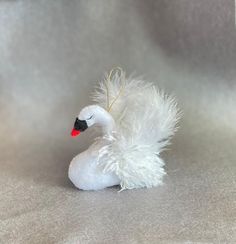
107,123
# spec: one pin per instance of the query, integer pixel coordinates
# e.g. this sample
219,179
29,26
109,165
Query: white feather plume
145,120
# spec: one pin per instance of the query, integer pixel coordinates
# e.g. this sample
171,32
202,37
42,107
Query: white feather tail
145,121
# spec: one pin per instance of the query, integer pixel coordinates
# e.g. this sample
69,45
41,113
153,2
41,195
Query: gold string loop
107,81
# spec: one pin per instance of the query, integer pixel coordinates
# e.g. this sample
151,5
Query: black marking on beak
80,125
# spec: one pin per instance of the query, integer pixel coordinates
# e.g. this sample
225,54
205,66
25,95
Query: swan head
89,116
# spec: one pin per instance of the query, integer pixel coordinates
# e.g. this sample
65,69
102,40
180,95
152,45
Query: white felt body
85,173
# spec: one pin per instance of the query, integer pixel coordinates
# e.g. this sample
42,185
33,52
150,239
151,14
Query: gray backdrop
51,55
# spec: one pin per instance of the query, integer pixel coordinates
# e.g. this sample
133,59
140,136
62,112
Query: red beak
75,132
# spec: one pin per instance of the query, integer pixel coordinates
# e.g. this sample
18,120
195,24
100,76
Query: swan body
137,122
87,175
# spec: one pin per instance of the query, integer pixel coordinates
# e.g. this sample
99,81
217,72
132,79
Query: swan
137,122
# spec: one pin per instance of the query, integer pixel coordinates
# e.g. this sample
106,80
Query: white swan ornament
137,122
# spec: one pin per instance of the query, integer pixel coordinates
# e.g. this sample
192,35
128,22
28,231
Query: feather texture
146,119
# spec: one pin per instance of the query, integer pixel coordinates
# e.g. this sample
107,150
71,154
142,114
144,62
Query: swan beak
75,132
79,125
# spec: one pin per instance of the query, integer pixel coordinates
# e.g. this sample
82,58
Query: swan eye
90,117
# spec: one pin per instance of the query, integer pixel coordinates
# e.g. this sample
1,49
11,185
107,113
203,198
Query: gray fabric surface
52,53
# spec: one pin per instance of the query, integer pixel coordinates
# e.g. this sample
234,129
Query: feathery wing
145,121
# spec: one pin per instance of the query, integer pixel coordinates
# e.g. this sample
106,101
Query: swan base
85,174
